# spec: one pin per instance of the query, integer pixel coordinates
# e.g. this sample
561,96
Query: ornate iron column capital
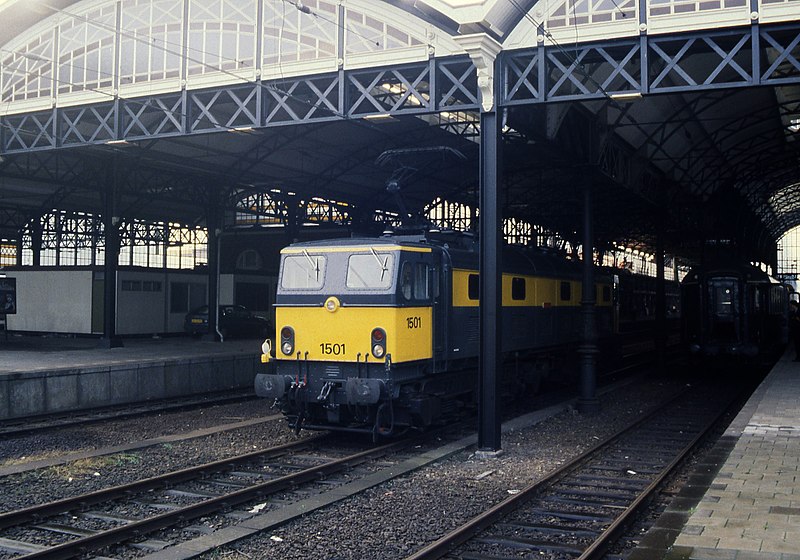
483,51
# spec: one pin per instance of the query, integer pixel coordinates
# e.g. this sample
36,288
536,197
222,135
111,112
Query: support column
292,226
588,403
661,299
483,51
36,241
490,285
213,224
111,232
19,247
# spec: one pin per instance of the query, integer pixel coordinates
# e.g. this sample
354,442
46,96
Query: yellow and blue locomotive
380,334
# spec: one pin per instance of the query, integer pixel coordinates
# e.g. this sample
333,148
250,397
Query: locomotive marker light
378,343
287,340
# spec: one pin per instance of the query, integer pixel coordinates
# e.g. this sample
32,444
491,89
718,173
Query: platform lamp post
483,51
588,403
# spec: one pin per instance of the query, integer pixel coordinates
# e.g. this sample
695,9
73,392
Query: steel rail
137,528
17,427
18,517
471,528
598,548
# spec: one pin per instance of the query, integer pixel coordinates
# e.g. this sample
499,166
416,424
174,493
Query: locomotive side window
565,291
373,271
407,280
303,272
421,281
518,289
473,287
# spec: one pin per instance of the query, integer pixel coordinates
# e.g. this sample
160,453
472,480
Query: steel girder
711,59
447,84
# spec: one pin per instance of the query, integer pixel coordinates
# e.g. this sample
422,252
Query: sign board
8,296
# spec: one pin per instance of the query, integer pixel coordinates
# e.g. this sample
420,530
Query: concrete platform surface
24,353
43,375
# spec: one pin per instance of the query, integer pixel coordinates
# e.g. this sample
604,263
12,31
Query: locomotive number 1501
331,349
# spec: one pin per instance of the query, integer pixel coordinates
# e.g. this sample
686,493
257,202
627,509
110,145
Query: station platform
743,500
47,374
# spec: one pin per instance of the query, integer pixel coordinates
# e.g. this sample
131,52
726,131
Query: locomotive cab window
518,289
407,281
565,291
372,271
606,294
303,272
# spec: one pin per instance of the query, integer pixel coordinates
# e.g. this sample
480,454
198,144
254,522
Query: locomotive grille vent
333,371
473,329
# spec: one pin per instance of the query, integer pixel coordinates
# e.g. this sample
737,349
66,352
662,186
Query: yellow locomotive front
354,330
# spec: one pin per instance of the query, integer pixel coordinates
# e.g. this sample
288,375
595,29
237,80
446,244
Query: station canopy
374,107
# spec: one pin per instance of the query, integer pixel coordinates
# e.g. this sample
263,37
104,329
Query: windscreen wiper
384,268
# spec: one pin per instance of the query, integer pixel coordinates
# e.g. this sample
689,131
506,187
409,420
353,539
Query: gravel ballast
385,522
399,517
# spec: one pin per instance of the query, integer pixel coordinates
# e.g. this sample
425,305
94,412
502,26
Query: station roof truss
690,130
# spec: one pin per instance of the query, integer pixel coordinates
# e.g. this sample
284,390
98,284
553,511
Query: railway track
580,509
227,489
17,427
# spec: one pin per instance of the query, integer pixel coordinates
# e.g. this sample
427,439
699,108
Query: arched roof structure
689,106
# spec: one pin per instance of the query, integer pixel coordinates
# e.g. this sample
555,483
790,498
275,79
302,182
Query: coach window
303,272
371,271
407,280
473,287
518,289
566,291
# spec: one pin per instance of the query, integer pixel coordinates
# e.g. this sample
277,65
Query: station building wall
53,301
70,301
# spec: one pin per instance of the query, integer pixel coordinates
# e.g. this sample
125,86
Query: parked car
234,320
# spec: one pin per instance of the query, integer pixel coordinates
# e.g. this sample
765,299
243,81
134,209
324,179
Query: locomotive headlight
287,340
332,304
378,351
266,347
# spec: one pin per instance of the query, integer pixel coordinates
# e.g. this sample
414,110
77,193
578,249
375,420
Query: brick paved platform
743,502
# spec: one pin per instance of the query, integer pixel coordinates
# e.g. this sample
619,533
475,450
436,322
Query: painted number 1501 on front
331,349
